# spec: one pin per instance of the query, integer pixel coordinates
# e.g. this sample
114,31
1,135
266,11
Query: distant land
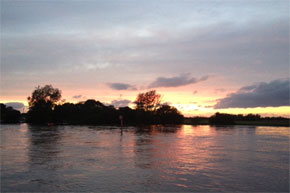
228,119
12,116
45,107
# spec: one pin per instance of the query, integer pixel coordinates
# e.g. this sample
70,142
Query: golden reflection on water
15,152
274,131
194,148
196,130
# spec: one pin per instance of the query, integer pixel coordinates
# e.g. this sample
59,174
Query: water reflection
43,150
144,151
14,148
149,141
197,130
44,145
154,129
156,158
272,131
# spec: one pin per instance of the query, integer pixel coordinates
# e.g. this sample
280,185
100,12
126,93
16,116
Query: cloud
15,105
121,103
36,46
77,96
194,92
272,94
121,86
176,81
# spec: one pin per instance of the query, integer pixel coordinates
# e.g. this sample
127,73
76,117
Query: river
152,158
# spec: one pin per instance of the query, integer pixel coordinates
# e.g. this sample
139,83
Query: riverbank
188,121
206,121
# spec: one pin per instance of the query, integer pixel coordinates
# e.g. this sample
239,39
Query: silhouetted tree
169,114
41,103
9,115
148,101
252,117
43,108
65,113
88,112
128,114
222,119
46,94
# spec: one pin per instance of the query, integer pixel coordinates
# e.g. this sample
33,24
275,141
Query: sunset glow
201,56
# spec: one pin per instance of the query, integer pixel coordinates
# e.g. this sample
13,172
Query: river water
156,159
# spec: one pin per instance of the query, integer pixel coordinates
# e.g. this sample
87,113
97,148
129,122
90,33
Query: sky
203,57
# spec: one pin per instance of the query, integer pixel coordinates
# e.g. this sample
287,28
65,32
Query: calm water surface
164,159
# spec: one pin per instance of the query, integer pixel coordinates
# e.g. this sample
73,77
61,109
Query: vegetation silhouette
45,107
9,115
149,101
229,119
222,119
42,103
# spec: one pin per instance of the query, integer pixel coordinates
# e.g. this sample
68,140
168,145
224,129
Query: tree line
9,115
230,119
45,107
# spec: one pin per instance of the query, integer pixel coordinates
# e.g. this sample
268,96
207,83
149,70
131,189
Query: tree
41,103
9,115
148,101
166,109
169,114
46,94
222,119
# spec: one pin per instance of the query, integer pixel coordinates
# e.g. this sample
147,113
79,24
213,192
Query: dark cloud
181,80
15,105
272,94
120,103
122,86
195,92
248,88
204,78
77,96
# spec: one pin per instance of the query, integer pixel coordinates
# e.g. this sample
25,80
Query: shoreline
238,123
